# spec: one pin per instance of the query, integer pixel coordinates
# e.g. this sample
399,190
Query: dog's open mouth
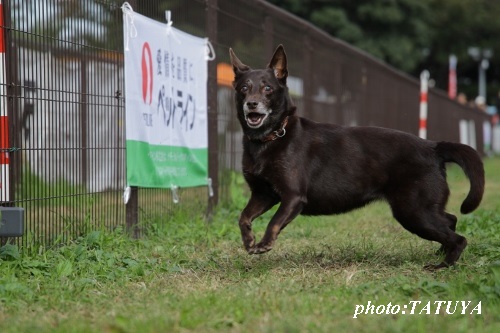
255,119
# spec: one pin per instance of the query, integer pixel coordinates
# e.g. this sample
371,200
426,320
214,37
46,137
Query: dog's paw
249,248
432,267
260,248
249,244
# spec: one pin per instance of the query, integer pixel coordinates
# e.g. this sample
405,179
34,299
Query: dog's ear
278,64
238,66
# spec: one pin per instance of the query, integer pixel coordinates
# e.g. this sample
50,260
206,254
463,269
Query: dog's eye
244,88
268,89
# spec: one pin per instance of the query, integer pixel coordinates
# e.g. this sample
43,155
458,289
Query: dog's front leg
256,206
287,211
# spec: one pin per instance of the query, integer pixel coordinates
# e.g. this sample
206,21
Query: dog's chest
266,165
254,166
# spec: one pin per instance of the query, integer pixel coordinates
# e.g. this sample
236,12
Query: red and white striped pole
4,133
424,87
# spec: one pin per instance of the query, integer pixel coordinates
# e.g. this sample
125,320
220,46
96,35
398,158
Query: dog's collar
277,134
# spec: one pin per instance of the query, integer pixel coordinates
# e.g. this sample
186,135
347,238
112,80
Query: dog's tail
470,161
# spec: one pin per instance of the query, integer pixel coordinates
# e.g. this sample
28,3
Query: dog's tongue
254,118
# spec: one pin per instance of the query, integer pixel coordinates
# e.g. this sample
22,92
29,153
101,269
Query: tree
458,25
413,35
396,31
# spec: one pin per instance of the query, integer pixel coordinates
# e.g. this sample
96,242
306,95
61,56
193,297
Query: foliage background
413,35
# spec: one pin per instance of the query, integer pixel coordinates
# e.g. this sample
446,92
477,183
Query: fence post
10,95
213,149
307,83
83,120
132,213
269,35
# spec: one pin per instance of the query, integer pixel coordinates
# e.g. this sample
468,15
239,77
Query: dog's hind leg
452,221
434,226
256,206
452,224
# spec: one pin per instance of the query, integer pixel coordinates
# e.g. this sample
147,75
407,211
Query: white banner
166,104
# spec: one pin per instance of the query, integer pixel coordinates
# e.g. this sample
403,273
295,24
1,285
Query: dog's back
342,168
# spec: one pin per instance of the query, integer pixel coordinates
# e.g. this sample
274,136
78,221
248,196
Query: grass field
187,275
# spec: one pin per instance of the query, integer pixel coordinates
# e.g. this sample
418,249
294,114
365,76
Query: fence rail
62,104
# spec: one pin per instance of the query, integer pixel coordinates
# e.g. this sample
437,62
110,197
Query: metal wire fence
62,83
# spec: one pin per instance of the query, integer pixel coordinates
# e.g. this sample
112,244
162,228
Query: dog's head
262,98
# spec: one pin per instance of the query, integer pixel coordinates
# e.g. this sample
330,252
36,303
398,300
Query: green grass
187,275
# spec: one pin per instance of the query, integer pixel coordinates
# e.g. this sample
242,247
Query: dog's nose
252,105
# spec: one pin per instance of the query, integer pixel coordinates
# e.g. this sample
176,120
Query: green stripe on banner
163,166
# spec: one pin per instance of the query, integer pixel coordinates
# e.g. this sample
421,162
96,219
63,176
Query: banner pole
132,213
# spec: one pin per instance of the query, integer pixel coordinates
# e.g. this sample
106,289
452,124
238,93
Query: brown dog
317,169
